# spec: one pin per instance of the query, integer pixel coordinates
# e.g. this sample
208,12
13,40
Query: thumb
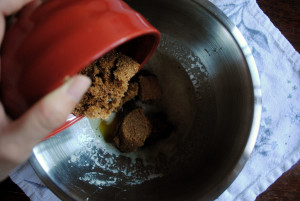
49,113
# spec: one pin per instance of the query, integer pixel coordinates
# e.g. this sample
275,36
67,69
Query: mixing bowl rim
257,95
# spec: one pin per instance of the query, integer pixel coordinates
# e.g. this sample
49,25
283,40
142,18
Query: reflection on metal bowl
211,92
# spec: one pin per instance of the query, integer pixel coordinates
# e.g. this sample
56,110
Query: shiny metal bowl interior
208,63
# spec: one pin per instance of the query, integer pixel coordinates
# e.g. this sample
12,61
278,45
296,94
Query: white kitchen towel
278,143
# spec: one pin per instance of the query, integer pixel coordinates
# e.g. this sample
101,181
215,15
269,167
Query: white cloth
278,143
25,177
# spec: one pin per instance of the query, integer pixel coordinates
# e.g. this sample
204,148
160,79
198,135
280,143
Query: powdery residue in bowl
106,164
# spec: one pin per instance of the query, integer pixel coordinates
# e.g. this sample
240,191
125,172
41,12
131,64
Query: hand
17,138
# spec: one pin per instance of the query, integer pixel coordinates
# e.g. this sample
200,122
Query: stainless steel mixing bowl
211,93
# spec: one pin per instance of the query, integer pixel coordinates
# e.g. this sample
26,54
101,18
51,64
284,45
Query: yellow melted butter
108,128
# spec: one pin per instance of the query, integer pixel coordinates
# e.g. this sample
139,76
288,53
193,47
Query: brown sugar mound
131,93
149,88
110,76
134,130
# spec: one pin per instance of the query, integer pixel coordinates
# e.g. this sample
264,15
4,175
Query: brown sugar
131,93
149,88
110,76
134,130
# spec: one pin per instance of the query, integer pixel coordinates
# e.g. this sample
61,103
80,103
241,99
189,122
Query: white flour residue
92,178
107,165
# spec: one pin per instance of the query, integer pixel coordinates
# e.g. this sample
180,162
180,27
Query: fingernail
78,85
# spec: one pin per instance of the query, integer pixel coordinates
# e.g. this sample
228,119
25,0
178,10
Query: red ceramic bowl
55,39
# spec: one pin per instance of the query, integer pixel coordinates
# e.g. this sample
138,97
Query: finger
22,135
9,7
2,27
4,120
49,113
